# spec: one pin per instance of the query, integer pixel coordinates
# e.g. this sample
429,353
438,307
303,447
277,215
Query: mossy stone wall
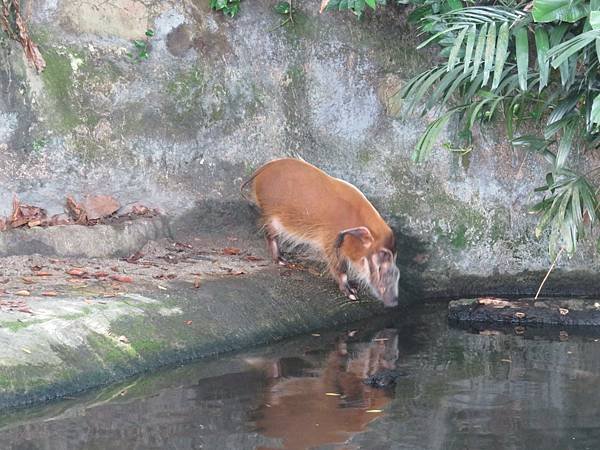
217,97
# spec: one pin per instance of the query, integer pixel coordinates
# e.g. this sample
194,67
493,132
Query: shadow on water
455,388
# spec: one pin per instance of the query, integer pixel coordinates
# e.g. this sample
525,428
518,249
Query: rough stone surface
181,129
99,241
173,303
217,97
125,18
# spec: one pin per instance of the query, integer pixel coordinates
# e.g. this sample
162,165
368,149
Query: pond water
458,389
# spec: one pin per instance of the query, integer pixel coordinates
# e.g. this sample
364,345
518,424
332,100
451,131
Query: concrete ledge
82,341
99,241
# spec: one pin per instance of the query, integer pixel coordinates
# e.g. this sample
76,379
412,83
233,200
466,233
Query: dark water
460,389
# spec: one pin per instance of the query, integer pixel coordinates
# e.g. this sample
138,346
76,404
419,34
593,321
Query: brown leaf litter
92,210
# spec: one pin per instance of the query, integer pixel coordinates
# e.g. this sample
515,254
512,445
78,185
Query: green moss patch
58,82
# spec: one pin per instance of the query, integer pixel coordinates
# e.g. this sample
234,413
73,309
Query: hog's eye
385,256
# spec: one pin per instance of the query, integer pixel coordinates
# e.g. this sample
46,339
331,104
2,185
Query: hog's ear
361,233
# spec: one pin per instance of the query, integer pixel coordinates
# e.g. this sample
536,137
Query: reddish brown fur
313,207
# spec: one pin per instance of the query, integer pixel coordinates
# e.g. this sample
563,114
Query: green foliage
284,8
39,144
228,7
141,48
358,7
520,62
559,10
569,203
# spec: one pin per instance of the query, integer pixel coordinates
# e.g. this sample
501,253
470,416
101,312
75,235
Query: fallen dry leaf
492,301
58,219
41,273
76,272
23,293
26,350
76,211
314,272
374,410
22,214
140,210
136,209
162,287
121,278
252,258
28,280
49,293
100,274
196,284
134,257
188,322
332,394
99,206
231,251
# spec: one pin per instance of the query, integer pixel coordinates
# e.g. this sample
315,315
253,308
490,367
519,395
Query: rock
527,311
389,94
76,240
121,18
179,41
384,378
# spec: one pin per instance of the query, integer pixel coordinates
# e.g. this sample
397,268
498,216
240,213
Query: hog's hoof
349,292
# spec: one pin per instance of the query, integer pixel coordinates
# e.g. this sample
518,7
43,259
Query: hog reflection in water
303,413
